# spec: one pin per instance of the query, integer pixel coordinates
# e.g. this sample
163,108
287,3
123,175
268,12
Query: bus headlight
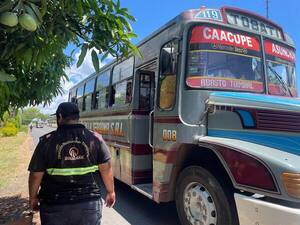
291,183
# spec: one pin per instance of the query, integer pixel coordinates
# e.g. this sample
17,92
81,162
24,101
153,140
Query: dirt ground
14,197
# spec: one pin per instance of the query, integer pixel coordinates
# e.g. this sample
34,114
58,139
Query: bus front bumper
252,211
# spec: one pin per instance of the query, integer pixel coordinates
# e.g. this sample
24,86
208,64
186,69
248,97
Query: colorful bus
208,118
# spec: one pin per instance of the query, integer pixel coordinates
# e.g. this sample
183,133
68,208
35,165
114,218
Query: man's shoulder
96,135
47,136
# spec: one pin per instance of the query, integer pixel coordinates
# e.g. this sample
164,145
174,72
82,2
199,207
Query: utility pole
267,8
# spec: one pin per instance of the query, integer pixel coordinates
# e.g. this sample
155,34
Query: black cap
67,109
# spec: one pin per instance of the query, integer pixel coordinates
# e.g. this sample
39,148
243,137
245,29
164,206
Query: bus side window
121,92
145,102
128,91
88,95
102,90
167,77
112,96
83,103
80,99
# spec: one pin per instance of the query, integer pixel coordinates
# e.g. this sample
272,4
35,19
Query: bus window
128,92
87,99
281,70
102,90
145,102
123,70
80,97
72,96
122,83
167,78
122,93
80,91
224,59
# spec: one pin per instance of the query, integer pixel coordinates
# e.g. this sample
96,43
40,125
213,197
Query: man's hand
110,199
34,203
108,180
34,181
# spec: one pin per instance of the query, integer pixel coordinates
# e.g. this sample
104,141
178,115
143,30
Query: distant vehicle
38,123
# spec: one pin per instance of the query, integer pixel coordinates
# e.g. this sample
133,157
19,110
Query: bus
208,118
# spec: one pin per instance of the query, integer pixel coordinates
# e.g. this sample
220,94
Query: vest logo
73,152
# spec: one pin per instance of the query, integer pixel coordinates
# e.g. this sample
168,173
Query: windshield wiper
282,82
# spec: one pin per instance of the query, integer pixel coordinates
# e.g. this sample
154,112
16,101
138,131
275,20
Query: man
65,166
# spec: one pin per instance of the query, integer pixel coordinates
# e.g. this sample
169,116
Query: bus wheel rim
199,205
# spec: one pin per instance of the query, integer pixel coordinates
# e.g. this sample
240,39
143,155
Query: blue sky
151,14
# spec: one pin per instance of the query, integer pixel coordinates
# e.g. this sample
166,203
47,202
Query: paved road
38,132
131,207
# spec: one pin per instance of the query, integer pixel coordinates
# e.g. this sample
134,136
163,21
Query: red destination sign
203,34
280,51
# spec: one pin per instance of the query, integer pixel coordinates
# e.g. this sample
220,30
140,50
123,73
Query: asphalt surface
131,207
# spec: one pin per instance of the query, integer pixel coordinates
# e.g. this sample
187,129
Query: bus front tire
200,199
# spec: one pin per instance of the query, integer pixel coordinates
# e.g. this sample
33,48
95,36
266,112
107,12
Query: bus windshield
224,59
281,70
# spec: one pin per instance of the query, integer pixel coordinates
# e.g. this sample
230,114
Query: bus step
145,189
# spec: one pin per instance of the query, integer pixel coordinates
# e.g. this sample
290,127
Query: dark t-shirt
69,157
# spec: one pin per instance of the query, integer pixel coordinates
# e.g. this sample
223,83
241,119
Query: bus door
166,120
142,120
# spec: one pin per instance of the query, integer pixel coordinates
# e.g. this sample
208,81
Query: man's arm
108,179
34,182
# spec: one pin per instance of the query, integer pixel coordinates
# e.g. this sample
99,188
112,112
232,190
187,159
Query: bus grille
278,121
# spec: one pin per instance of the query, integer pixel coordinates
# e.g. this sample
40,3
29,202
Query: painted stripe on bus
286,143
167,119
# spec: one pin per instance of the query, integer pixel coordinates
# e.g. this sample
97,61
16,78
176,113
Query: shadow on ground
11,210
138,209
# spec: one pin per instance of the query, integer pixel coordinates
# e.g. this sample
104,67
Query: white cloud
75,75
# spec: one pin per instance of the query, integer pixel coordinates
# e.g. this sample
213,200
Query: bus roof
234,17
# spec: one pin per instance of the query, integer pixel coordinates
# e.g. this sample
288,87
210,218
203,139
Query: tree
34,34
30,113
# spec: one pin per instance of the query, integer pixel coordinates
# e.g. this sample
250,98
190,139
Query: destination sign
280,51
253,24
224,83
203,34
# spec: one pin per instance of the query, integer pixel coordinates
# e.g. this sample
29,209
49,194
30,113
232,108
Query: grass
10,157
23,128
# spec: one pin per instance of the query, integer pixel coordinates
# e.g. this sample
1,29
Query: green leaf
43,7
36,11
105,56
79,7
131,35
30,11
34,1
124,21
95,61
27,56
4,77
82,54
19,6
6,6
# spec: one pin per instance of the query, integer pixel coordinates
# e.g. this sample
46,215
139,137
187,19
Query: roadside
15,153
